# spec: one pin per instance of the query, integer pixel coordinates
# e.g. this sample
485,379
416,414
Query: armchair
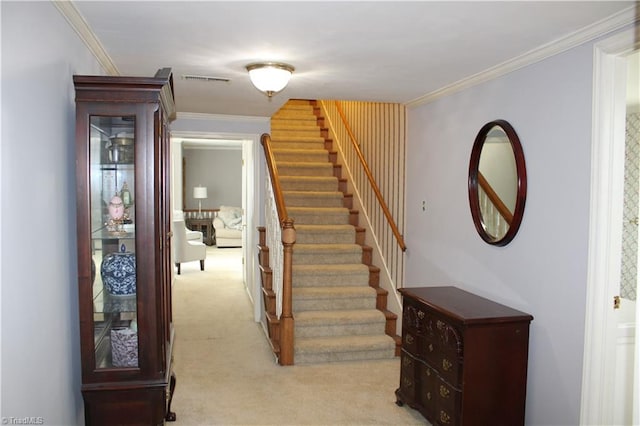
195,236
185,250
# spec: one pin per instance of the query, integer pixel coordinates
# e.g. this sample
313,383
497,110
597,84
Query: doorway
611,369
248,144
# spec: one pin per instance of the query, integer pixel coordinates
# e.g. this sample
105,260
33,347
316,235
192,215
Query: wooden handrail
495,199
288,240
374,185
265,140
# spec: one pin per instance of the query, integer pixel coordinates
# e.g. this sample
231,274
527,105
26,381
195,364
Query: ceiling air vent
204,78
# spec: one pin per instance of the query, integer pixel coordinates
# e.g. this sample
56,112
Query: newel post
286,318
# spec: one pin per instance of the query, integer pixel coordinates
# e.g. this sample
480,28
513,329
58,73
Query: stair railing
372,181
370,139
280,238
495,199
495,214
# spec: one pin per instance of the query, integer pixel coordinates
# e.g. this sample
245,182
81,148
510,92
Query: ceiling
384,51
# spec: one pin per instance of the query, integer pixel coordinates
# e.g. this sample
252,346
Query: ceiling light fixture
270,77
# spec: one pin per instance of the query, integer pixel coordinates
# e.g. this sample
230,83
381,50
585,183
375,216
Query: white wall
40,332
544,270
220,170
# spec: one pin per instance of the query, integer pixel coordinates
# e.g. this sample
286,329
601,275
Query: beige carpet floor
227,375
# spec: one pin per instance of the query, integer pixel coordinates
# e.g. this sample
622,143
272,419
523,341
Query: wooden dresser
463,359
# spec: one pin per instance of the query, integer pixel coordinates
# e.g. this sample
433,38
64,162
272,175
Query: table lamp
200,193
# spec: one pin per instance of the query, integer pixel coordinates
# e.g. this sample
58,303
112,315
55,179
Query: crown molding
81,27
588,33
220,117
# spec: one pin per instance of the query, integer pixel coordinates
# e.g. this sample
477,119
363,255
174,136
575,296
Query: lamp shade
270,77
199,192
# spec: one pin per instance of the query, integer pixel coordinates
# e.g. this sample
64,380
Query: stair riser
295,129
363,329
304,114
297,145
336,304
310,185
319,218
301,170
311,201
329,280
326,258
317,358
302,156
295,133
325,238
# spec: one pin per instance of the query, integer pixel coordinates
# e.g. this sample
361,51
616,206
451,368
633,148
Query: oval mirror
497,183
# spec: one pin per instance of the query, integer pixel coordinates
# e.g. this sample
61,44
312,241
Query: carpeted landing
227,375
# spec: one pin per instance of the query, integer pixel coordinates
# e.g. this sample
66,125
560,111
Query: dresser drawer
428,379
408,365
448,402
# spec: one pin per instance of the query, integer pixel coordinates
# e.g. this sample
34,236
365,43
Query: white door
610,372
625,301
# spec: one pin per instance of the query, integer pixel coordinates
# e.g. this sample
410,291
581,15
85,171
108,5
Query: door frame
249,144
605,227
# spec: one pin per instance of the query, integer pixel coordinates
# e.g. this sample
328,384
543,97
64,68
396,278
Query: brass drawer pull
444,418
430,347
406,361
444,392
429,396
446,364
409,339
420,314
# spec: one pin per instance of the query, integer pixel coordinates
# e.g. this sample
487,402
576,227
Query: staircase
338,307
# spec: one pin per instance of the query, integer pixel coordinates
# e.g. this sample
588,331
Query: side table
206,227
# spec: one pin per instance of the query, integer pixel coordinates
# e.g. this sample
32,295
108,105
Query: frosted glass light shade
270,77
200,192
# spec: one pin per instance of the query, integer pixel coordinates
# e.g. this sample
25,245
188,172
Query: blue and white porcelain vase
118,271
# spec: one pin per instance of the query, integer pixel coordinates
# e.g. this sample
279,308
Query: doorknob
616,302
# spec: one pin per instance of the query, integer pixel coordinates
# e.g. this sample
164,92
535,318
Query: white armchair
185,250
191,235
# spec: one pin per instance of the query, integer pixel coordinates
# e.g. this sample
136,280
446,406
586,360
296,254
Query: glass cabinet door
113,240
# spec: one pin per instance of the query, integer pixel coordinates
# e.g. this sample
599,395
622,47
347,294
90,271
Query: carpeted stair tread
333,298
352,316
354,274
297,168
325,234
319,215
343,348
301,155
354,322
297,144
305,114
288,124
322,254
309,183
301,139
313,198
339,342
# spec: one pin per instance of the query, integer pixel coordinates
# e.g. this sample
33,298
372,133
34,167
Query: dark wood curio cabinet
124,247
